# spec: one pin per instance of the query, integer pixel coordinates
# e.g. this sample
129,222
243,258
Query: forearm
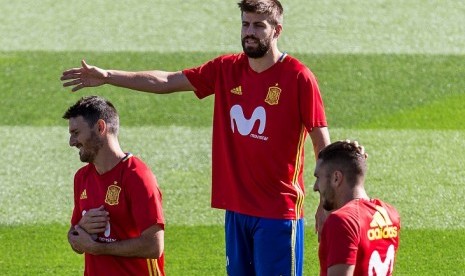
145,246
320,139
158,82
70,232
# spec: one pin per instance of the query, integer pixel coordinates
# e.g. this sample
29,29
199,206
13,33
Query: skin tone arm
70,234
150,244
158,82
320,139
341,270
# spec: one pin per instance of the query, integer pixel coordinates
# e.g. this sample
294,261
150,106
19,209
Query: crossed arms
150,244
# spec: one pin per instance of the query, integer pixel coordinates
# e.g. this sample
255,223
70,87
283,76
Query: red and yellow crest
112,197
272,98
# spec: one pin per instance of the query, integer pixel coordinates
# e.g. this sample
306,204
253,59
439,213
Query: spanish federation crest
272,98
112,197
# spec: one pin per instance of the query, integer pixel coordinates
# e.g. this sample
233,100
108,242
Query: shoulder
295,66
348,216
84,171
391,210
294,63
137,169
135,164
231,58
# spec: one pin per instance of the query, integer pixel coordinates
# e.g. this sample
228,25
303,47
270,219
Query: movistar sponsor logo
377,267
245,126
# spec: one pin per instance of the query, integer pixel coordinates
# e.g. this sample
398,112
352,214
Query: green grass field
391,74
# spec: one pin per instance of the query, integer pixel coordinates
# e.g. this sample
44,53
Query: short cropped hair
92,109
273,8
346,156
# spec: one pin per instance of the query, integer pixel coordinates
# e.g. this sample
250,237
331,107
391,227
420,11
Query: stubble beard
328,200
263,46
92,147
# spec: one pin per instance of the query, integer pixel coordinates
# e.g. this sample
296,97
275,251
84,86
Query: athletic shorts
261,246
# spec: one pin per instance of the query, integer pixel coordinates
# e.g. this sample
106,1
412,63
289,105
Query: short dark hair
346,156
94,108
273,8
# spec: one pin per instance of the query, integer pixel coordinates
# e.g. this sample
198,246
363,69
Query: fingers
73,82
73,71
84,64
95,228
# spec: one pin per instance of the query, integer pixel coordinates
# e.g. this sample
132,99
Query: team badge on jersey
112,197
272,98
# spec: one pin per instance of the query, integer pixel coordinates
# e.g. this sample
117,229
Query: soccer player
266,102
117,219
361,235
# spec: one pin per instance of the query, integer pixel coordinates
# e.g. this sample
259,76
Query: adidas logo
237,90
83,194
380,218
381,226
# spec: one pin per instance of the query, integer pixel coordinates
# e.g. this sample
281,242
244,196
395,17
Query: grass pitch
391,74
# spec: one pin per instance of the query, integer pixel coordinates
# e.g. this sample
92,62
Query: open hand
86,76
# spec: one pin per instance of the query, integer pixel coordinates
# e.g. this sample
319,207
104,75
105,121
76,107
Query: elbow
156,251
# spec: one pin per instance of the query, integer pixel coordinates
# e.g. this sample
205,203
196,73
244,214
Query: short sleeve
341,238
311,102
76,216
203,77
146,199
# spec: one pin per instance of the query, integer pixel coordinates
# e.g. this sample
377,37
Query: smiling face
85,138
257,34
325,185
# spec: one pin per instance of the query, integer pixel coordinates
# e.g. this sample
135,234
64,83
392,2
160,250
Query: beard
263,46
90,148
328,199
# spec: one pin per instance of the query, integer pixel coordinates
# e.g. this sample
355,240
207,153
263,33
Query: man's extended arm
158,82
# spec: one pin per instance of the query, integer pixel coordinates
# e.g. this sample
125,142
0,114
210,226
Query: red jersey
259,128
364,233
131,195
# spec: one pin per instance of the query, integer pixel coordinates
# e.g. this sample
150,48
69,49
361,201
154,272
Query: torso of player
258,137
108,190
379,239
115,190
376,227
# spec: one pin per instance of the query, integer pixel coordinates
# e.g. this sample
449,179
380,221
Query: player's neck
357,192
269,59
108,157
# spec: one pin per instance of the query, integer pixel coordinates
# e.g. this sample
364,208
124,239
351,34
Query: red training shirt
364,233
260,124
131,195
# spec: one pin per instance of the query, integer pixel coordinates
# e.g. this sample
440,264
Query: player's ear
101,126
277,30
337,177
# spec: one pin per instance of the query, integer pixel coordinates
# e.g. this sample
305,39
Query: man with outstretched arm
266,102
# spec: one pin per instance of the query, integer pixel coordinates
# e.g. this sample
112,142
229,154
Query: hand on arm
95,220
150,244
158,82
